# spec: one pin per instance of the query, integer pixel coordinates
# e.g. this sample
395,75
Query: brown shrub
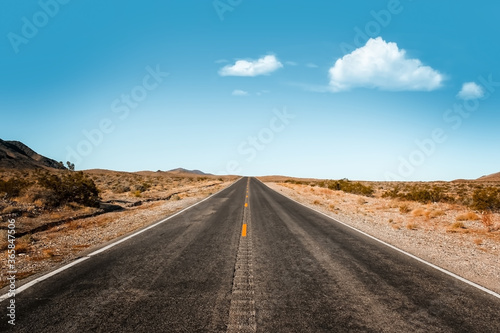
3,240
418,212
458,225
436,213
411,226
487,220
23,244
404,208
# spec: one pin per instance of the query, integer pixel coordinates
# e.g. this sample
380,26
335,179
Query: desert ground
450,232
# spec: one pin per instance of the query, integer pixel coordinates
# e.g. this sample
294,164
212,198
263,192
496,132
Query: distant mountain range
16,155
196,172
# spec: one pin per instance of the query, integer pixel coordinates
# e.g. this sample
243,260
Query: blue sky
372,90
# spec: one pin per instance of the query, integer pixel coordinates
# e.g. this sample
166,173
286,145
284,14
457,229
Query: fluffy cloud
262,66
239,92
382,65
470,90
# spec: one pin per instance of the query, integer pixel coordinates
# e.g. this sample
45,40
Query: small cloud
262,66
311,65
382,65
262,92
221,61
471,90
291,63
239,92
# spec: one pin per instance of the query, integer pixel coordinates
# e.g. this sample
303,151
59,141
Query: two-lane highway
249,259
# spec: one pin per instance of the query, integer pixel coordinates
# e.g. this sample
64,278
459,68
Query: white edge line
79,260
44,277
397,249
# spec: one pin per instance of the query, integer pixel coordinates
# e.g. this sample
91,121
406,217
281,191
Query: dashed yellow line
244,227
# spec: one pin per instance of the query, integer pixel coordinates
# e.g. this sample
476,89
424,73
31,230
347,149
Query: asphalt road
294,271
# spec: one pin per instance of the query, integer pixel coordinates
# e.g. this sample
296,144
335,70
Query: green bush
143,187
392,193
350,187
422,193
427,195
487,198
70,187
12,188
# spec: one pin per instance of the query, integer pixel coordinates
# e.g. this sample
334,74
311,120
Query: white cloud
291,63
262,66
471,90
382,65
262,92
311,65
239,92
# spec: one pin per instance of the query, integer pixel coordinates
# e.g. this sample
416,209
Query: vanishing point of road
251,260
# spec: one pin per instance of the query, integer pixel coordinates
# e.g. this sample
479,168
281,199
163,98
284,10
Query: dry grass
404,208
469,216
23,244
418,212
3,240
48,253
11,210
458,225
488,222
361,201
411,226
316,202
437,213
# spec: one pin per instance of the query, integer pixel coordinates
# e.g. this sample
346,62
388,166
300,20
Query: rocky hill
494,177
16,155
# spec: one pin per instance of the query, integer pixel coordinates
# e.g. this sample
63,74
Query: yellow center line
244,227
